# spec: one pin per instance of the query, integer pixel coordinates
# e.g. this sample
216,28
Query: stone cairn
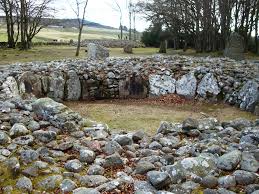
47,148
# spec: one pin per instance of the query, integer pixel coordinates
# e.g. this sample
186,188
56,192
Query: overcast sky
101,11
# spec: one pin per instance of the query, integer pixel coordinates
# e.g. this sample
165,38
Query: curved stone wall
208,78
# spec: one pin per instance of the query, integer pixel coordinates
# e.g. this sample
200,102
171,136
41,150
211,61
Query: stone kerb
209,79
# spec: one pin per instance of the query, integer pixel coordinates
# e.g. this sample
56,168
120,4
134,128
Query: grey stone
95,170
18,129
249,96
57,86
143,187
111,147
209,182
92,180
97,51
208,85
67,185
84,190
33,125
87,156
4,138
10,88
24,184
229,161
227,181
161,85
144,167
113,160
123,140
45,136
24,140
244,177
74,166
235,47
249,162
186,86
28,156
158,179
73,86
50,183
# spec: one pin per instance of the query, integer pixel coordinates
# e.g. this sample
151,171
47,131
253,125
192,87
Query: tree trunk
162,47
79,41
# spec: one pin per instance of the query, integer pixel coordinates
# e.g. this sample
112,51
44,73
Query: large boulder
249,96
57,114
186,86
128,49
30,84
97,51
56,86
161,85
235,47
208,86
73,86
10,88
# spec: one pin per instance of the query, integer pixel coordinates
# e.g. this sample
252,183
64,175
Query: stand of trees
203,24
24,19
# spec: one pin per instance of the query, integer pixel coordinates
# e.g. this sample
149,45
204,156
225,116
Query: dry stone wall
208,78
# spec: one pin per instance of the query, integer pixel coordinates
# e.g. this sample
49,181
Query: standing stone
97,51
128,49
208,86
235,47
57,86
161,85
10,88
249,96
186,86
73,86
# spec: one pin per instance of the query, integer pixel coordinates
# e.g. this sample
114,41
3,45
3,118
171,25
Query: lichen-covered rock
73,86
161,85
30,84
50,183
158,179
4,138
57,114
229,161
249,96
195,166
10,88
24,184
56,86
187,85
208,86
97,51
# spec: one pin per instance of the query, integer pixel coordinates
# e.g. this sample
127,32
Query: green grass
66,34
132,116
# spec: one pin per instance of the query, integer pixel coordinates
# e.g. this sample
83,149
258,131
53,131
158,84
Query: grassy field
48,53
66,34
132,116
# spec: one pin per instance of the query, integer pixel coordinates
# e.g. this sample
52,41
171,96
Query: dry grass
134,116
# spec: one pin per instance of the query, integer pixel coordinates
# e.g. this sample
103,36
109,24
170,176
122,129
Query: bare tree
10,10
80,10
117,8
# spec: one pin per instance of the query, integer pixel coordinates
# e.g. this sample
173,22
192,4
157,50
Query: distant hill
69,23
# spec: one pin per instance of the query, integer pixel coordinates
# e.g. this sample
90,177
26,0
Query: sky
101,11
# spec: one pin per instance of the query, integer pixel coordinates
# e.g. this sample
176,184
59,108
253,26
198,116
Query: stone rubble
47,148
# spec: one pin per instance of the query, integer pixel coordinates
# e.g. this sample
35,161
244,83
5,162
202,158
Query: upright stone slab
208,86
10,88
186,86
249,96
97,51
56,86
30,84
235,47
161,85
73,86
